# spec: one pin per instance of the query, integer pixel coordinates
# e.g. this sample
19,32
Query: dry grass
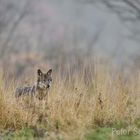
75,105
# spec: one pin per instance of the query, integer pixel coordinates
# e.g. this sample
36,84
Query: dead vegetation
74,105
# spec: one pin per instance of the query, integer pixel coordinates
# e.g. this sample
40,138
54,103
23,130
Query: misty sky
113,37
53,20
91,17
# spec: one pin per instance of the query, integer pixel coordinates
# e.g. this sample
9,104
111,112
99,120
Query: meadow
86,102
92,47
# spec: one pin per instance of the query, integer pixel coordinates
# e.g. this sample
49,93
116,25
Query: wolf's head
44,79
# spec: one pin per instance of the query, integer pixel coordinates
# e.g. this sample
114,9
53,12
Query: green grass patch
106,134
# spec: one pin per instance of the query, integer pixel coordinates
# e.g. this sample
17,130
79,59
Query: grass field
83,104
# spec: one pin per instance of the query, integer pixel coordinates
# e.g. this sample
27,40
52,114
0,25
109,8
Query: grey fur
40,89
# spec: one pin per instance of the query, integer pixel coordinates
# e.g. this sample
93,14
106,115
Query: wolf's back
28,90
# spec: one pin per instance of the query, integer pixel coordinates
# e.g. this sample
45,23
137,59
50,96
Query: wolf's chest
40,94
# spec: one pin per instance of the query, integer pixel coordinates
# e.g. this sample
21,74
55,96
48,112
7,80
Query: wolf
39,89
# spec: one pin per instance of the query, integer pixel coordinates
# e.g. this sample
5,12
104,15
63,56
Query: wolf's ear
39,72
49,72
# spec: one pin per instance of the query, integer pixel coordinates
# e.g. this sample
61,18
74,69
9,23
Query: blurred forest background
60,32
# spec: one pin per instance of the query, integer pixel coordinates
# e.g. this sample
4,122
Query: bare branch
12,30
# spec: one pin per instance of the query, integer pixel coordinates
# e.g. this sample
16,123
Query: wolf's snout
48,86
